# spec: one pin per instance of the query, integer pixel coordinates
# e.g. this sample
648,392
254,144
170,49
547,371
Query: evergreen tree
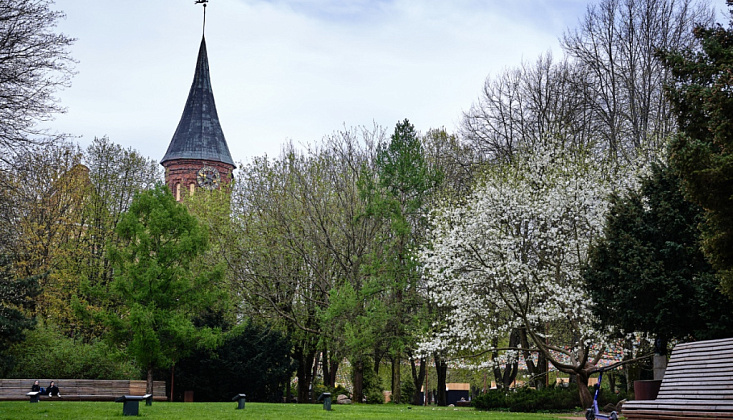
14,295
253,360
702,151
648,273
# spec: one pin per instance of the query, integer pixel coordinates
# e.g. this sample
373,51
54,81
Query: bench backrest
71,388
699,371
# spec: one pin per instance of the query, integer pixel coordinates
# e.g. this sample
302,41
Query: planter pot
646,390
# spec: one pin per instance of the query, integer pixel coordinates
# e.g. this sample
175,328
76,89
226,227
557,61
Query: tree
649,265
47,188
15,295
115,176
252,359
34,63
399,196
61,208
701,151
606,92
158,283
615,45
278,268
303,248
527,106
515,250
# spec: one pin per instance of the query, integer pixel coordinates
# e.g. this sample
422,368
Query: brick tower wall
183,172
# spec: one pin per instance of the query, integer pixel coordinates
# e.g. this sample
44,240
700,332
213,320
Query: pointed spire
199,134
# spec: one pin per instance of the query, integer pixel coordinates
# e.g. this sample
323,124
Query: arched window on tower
178,191
191,188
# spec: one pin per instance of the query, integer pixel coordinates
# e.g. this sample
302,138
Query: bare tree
528,105
606,93
616,44
34,63
299,234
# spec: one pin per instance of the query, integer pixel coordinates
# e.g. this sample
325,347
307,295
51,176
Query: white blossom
511,254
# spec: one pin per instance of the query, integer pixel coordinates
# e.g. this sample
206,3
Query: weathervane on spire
204,3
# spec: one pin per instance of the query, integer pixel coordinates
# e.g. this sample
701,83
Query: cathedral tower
198,155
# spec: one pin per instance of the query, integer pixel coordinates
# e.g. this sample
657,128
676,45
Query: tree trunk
149,383
505,379
537,372
396,379
418,376
173,371
334,362
441,367
586,399
305,363
326,369
314,375
358,380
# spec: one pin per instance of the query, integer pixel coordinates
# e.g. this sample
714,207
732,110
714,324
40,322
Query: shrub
253,359
552,398
493,399
372,386
407,389
529,400
48,353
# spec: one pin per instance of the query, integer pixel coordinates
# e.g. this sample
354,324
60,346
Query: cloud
293,69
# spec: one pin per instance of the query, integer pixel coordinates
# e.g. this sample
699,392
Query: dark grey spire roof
199,134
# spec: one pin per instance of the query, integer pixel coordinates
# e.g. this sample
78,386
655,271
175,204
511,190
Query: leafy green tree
48,187
156,282
114,176
302,249
15,294
648,274
398,195
702,151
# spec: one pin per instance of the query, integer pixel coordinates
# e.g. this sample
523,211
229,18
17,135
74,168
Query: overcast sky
294,69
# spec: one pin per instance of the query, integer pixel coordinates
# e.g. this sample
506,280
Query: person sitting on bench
53,390
36,387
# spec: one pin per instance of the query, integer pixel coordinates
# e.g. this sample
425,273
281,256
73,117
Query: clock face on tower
208,178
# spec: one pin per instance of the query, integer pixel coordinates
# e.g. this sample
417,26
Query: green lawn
59,410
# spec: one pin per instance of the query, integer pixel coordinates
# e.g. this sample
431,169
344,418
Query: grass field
59,410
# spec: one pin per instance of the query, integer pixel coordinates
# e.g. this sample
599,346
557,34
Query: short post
130,404
240,399
326,398
35,396
148,399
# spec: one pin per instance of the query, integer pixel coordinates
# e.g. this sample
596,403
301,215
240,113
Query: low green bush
550,399
48,353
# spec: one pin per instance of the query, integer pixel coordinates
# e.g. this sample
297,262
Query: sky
294,70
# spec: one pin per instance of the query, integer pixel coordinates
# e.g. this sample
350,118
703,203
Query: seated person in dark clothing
36,387
53,390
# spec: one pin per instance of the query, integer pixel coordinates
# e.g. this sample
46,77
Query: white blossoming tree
510,256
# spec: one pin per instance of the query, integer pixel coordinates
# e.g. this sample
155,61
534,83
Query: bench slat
82,389
698,384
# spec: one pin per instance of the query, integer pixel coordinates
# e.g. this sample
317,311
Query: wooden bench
81,389
698,384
